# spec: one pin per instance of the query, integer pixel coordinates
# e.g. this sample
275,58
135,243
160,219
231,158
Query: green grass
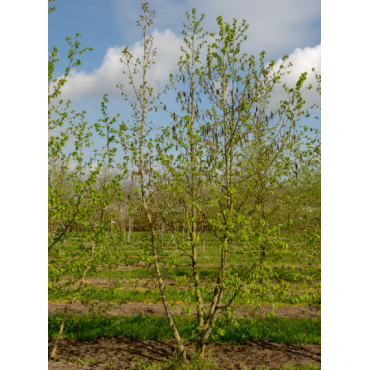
89,327
136,291
285,273
140,240
174,363
173,295
290,367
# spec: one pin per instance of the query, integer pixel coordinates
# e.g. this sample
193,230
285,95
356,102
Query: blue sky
291,27
278,27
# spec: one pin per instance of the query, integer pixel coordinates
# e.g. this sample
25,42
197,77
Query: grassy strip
208,272
89,327
207,257
174,295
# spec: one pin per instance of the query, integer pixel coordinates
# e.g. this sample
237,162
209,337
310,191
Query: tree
138,145
241,156
77,205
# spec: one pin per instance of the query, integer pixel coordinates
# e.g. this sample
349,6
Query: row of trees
232,164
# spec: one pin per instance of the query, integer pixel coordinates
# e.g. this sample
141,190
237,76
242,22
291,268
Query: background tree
77,204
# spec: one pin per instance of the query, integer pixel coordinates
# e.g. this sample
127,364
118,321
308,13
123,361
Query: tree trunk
204,239
166,305
162,232
124,231
129,230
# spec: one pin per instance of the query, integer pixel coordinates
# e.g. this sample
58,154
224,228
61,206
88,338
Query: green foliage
79,191
123,296
90,327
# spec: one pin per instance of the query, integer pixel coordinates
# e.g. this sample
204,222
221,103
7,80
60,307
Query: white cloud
83,85
102,80
71,166
94,165
303,60
274,26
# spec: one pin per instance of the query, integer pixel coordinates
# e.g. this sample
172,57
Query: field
132,332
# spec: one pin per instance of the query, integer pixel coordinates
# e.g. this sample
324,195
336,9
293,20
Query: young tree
239,156
138,144
77,206
187,182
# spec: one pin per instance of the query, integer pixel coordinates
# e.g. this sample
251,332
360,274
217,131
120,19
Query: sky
284,27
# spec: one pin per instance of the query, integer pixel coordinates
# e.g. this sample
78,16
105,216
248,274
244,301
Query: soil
157,309
145,264
122,353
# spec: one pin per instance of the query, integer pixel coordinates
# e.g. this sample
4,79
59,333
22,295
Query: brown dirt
157,309
137,265
145,264
122,353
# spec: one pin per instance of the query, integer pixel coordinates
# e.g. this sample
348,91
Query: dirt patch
157,309
145,264
122,353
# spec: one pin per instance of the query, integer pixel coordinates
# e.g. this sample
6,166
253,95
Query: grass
290,367
174,295
81,362
135,289
175,363
206,364
141,240
206,272
90,327
135,285
129,254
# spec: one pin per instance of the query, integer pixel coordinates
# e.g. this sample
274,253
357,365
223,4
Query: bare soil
157,309
145,264
122,353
